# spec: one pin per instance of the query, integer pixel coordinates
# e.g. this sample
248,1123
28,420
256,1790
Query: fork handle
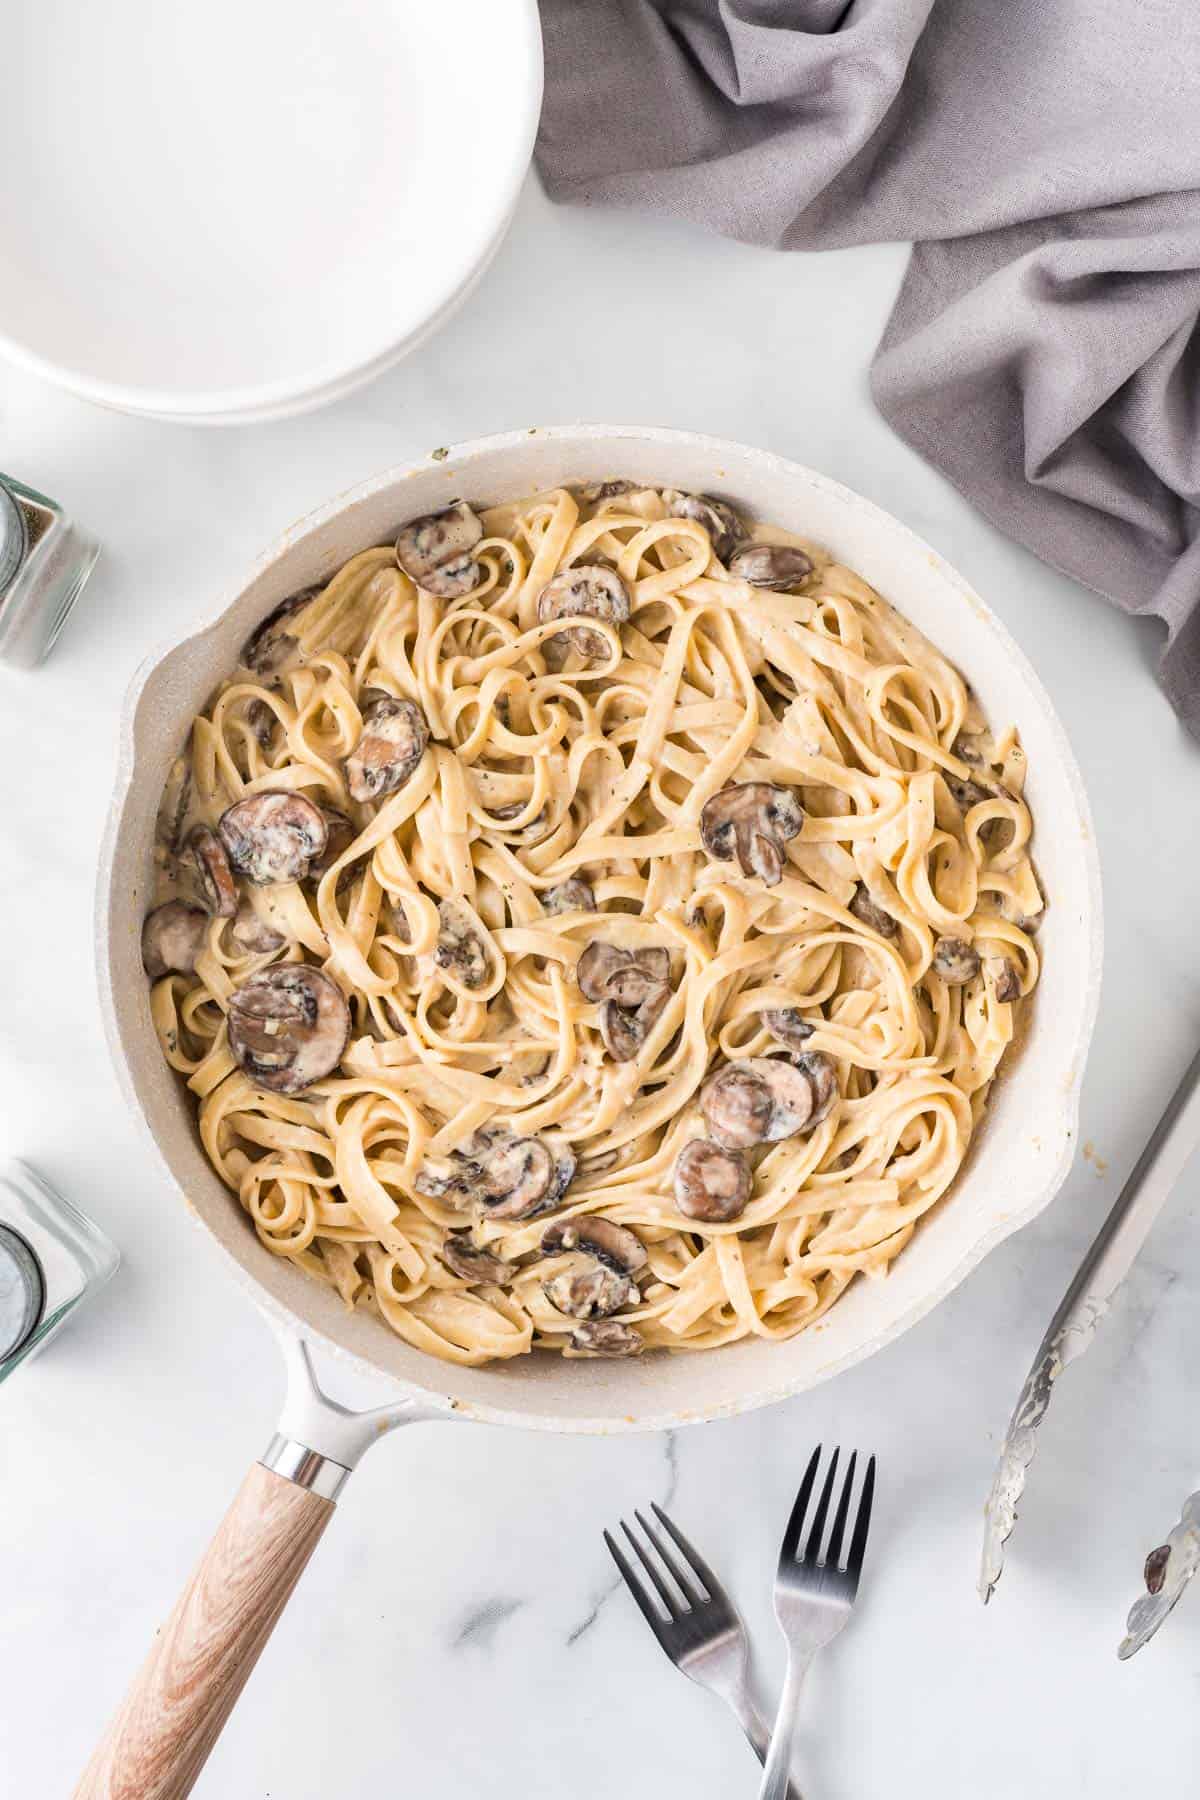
777,1768
758,1736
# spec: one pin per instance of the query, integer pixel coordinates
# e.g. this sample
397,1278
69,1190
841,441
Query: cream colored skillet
175,1710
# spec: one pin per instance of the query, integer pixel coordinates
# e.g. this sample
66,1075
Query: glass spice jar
51,1259
45,560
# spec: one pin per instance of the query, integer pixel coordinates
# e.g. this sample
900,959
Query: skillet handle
174,1712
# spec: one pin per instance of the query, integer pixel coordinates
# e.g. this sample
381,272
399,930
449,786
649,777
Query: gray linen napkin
1045,157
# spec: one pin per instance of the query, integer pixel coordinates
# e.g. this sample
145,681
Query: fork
813,1595
702,1633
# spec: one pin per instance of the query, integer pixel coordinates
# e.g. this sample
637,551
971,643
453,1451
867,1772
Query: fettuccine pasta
636,981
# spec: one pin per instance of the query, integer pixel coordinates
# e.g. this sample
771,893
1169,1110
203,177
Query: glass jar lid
14,540
22,1291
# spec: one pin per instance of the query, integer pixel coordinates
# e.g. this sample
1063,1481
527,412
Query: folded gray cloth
1045,157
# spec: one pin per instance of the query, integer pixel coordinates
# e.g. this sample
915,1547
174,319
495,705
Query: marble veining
424,1649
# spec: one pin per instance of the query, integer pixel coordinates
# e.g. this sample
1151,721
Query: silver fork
813,1596
701,1633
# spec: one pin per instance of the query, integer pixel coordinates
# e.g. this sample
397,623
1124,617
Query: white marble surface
459,1631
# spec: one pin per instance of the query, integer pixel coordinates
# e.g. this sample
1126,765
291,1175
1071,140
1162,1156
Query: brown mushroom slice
610,1243
464,1258
788,1025
1006,979
589,1290
606,1337
956,961
587,591
435,550
775,566
821,1073
757,1100
269,649
966,794
625,1031
629,977
251,933
288,1027
718,518
339,835
571,895
752,821
521,1177
593,492
205,854
273,837
172,938
392,743
712,1184
461,951
866,910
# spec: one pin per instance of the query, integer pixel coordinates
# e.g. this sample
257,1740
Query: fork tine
812,1548
795,1524
691,1556
660,1587
636,1589
686,1588
833,1555
862,1524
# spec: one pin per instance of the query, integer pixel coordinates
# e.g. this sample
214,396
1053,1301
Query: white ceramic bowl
229,212
1027,1142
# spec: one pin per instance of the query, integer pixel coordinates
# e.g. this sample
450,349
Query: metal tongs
1170,1567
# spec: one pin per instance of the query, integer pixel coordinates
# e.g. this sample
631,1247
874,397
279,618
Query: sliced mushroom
571,895
758,1100
630,977
606,1337
771,566
593,492
589,1290
821,1073
339,835
464,1257
752,820
955,961
587,591
1006,979
510,1177
435,551
788,1024
253,934
206,856
711,1183
864,908
273,837
268,650
533,831
610,1243
172,938
393,740
718,518
288,1027
965,794
460,949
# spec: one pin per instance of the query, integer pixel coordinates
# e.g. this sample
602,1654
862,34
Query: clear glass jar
45,559
51,1259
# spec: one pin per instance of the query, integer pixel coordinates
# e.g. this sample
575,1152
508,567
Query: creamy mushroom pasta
592,923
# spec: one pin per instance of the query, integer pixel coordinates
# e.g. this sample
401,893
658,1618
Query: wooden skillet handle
173,1714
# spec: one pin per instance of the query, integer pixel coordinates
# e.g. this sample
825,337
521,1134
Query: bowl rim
439,1394
260,402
